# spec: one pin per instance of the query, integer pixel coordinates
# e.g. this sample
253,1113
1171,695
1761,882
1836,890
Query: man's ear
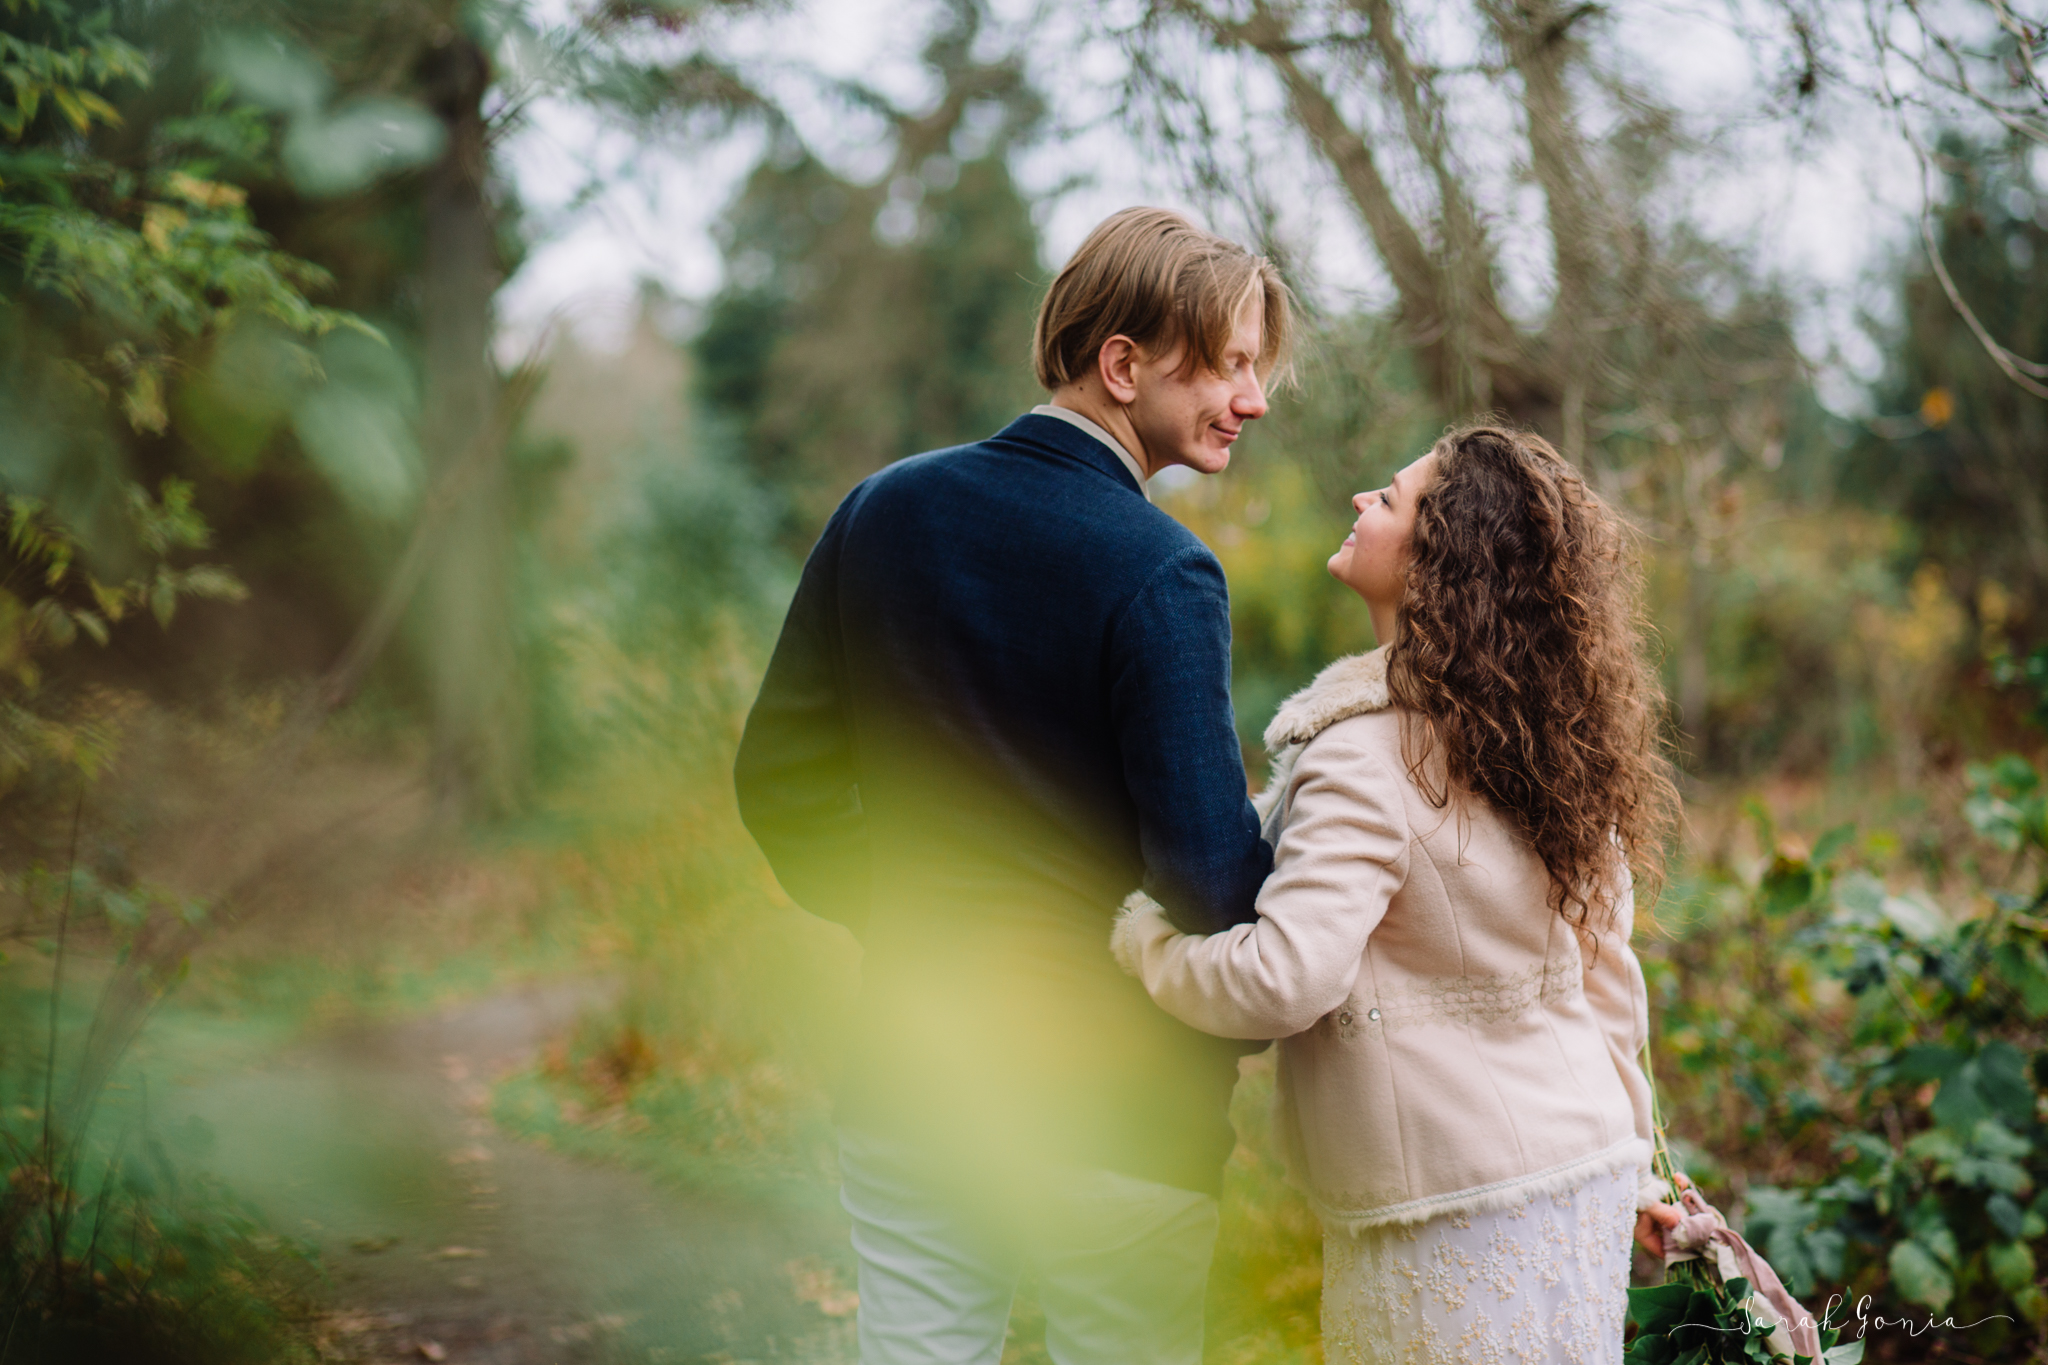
1116,364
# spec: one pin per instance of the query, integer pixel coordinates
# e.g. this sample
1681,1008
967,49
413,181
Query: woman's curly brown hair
1522,652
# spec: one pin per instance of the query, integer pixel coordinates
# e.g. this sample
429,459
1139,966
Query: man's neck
1112,417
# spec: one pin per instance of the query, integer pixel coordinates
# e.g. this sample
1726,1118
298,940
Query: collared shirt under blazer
1447,1045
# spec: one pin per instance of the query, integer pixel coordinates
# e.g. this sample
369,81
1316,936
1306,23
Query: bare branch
2023,372
2016,367
1474,323
1534,36
1961,84
1399,245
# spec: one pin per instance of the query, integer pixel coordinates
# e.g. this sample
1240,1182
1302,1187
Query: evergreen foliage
221,379
1962,457
863,323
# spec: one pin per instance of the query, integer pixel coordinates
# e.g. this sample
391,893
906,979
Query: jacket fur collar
1349,687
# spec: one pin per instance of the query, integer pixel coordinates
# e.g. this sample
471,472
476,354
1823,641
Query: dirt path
448,1240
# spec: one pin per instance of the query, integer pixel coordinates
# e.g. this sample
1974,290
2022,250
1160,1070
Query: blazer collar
1349,687
1069,440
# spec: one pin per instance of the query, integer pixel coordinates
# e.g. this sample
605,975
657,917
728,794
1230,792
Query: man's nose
1251,399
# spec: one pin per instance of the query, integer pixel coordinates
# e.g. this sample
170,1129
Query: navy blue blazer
1000,701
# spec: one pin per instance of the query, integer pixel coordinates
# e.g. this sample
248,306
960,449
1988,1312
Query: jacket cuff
1651,1189
1140,919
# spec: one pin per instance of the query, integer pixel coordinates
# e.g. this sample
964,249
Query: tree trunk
472,665
1536,35
1693,684
1472,356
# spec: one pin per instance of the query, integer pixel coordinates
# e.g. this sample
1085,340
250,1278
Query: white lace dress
1544,1281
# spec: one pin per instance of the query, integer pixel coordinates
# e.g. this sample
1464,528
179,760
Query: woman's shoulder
1368,738
1351,772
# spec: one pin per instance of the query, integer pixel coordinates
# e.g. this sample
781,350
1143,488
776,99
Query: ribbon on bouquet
1702,1231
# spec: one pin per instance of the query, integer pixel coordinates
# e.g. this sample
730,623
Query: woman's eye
1386,501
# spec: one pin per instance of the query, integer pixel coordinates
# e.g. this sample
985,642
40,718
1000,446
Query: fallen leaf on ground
819,1285
433,1350
351,1324
458,1254
578,1332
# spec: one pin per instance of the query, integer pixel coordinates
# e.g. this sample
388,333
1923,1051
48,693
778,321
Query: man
1000,701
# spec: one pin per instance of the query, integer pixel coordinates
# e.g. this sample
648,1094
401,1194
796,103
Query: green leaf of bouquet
1708,1314
1848,1353
1650,1348
1658,1308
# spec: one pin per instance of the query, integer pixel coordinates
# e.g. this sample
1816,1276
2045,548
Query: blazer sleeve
1169,690
1621,1002
795,775
1343,854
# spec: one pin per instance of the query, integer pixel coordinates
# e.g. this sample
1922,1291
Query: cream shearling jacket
1446,1045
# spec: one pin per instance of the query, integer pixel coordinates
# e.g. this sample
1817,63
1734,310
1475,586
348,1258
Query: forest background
371,642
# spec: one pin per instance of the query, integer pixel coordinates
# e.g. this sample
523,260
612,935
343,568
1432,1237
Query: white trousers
1121,1263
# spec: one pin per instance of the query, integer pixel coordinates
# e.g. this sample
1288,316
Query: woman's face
1373,559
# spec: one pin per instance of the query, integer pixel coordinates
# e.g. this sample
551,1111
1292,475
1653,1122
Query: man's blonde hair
1151,275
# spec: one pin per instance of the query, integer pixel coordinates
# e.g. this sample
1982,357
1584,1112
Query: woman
1443,946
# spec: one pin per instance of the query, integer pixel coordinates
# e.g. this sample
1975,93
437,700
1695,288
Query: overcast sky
1821,200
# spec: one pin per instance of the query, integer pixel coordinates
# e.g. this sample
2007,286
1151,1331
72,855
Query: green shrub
108,1252
139,1267
1882,1064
